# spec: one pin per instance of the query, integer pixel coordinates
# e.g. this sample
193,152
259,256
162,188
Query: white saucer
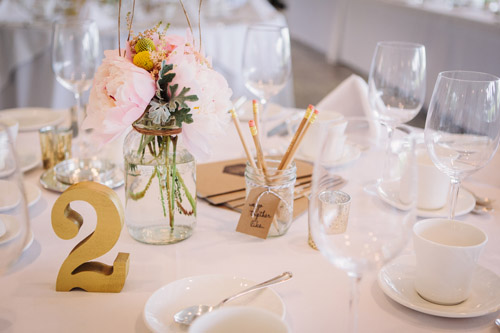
10,196
396,281
12,227
465,203
351,153
245,112
32,119
33,193
205,289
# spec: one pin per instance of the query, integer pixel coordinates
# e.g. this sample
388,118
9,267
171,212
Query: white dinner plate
12,228
33,193
32,119
205,289
396,280
465,203
10,196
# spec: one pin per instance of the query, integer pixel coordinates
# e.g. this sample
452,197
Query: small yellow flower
144,44
143,60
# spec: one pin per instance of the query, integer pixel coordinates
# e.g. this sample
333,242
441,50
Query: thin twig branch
199,23
188,21
119,16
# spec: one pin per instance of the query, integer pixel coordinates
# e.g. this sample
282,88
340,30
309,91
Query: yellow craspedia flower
143,60
144,44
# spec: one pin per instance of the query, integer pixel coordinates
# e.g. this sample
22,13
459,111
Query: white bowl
241,319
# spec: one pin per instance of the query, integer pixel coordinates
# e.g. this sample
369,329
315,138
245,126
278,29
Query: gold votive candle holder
55,144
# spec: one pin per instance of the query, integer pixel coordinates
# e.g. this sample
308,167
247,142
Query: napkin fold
349,98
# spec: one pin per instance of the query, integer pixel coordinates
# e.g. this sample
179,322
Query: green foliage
176,101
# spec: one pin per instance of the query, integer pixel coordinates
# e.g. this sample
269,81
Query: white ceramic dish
12,228
33,193
241,319
351,153
32,119
245,112
396,280
10,196
205,289
465,204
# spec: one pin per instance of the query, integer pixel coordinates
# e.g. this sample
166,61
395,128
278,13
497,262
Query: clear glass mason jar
280,183
160,188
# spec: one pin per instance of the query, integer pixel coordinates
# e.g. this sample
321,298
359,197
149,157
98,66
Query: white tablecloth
316,299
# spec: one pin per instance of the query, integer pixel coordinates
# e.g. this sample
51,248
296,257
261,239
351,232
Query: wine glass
75,50
396,85
462,128
266,64
354,229
14,220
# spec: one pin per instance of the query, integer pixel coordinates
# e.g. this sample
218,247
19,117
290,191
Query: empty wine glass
75,50
462,128
266,64
354,229
14,220
396,85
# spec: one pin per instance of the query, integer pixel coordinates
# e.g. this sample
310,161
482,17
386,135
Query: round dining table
316,299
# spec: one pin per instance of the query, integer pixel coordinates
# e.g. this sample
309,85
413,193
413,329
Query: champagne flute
266,64
14,220
75,50
356,231
462,128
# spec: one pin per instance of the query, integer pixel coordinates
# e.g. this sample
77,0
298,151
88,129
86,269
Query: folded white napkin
349,98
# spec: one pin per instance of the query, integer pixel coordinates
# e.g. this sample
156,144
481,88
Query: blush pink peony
210,111
120,93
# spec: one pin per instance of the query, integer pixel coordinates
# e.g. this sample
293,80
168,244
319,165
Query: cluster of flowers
165,76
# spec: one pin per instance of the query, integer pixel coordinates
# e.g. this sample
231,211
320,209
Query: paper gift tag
258,225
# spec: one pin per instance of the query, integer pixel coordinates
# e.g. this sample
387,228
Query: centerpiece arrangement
167,90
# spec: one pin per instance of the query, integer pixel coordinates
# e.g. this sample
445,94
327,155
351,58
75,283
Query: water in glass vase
160,197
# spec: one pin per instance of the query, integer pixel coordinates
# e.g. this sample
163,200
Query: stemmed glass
75,50
14,220
396,85
354,229
266,64
462,128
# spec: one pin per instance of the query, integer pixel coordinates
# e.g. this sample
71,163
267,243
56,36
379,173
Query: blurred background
330,40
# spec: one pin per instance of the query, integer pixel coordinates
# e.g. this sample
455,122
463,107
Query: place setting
187,206
175,306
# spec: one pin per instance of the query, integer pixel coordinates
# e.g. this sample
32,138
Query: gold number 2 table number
77,271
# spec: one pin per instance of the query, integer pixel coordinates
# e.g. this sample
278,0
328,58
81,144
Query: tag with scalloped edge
257,221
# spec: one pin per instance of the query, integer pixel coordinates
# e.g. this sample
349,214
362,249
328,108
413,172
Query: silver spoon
189,314
481,201
497,322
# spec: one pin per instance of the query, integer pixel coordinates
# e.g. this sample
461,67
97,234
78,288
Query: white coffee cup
310,144
433,185
446,254
242,319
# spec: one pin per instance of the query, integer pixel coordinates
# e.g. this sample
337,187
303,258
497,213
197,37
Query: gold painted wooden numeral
77,271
